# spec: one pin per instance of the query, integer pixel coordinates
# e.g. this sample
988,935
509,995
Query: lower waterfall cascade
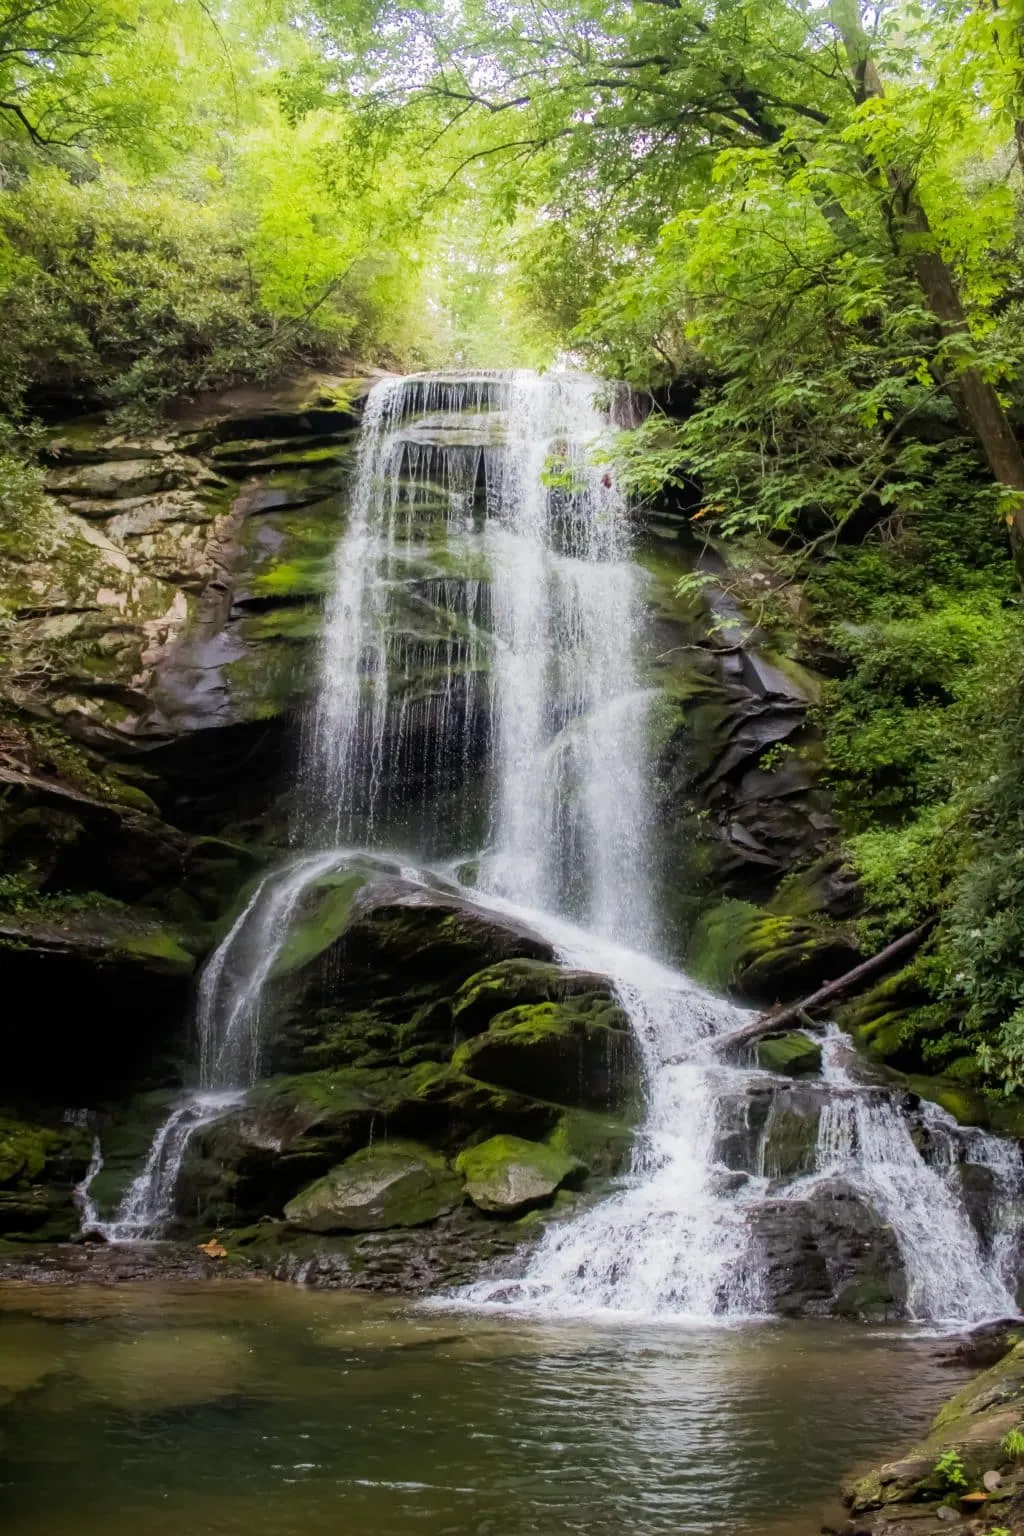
520,781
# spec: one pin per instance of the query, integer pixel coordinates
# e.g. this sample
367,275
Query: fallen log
768,1023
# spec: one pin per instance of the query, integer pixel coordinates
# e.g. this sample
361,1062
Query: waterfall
228,1027
482,702
545,669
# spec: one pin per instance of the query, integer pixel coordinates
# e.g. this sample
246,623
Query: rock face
39,1168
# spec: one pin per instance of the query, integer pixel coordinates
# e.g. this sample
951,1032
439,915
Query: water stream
523,767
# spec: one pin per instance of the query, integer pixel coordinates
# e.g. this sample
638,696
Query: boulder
794,1054
827,1253
514,982
392,1184
506,1175
575,1053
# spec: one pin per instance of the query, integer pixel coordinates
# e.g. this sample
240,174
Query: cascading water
481,686
228,1026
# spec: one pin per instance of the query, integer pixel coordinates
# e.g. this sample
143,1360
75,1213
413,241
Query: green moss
603,1142
164,950
577,1053
315,931
309,577
765,953
391,1184
507,1174
793,1054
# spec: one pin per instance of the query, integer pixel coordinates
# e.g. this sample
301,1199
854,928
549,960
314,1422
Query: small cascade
228,1019
670,1243
866,1140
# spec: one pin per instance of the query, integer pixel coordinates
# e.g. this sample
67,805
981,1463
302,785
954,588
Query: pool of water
269,1410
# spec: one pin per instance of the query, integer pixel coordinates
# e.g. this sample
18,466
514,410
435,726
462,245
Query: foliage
986,919
950,1469
1013,1444
18,895
175,214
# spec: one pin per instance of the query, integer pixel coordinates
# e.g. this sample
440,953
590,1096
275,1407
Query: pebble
945,1513
992,1481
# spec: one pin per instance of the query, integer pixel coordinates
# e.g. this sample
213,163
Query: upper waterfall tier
481,633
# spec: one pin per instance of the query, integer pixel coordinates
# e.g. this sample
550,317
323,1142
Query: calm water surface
267,1410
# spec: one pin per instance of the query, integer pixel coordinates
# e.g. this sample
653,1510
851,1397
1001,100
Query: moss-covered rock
794,1054
574,1052
767,956
603,1142
507,1175
392,1184
39,1167
515,982
973,1425
790,1140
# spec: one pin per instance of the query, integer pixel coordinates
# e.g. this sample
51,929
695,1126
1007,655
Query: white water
480,681
228,1021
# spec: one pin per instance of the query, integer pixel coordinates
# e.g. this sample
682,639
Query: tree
641,117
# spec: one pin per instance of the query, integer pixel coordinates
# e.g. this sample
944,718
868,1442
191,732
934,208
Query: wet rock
790,1140
92,981
394,1184
507,1175
828,1253
767,956
515,982
571,1052
795,1054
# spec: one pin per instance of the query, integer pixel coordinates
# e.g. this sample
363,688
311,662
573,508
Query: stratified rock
393,1184
121,478
506,1175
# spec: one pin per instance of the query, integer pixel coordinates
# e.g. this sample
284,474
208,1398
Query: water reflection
272,1411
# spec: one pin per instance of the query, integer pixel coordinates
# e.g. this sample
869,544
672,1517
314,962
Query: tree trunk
979,400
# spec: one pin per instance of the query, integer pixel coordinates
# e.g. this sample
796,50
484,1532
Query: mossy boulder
507,1175
515,982
604,1142
793,1054
39,1167
767,956
574,1053
392,1184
